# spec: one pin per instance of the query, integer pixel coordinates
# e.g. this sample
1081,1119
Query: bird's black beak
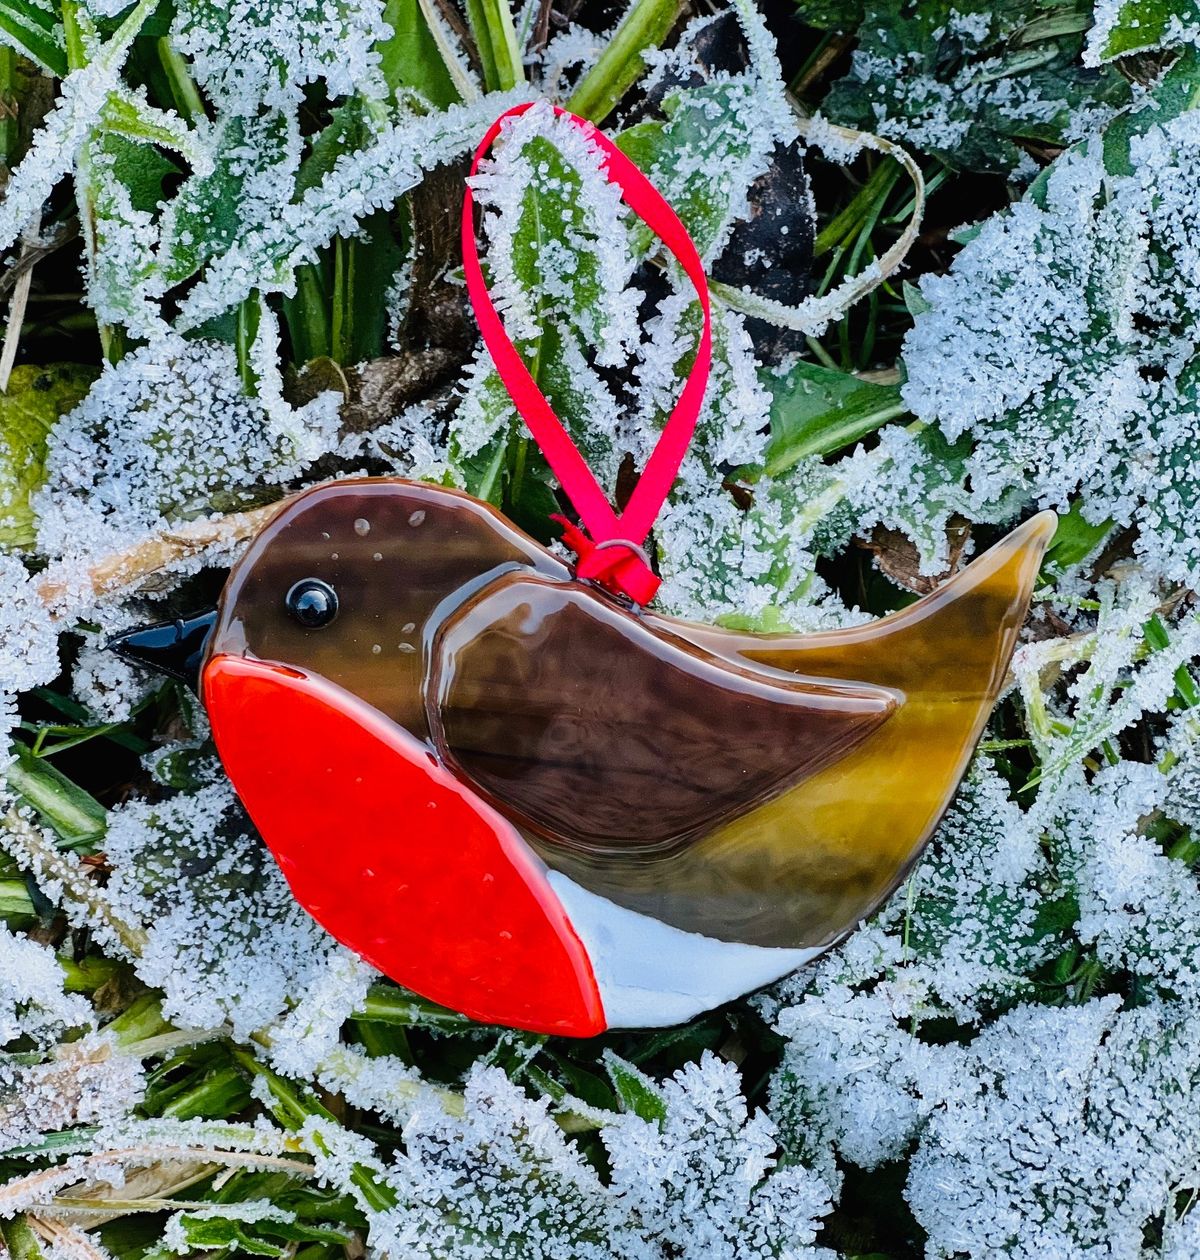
171,647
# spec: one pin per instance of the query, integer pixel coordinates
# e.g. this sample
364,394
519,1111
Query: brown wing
605,736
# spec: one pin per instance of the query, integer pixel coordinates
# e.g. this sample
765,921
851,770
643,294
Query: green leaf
637,1093
830,15
410,58
1074,540
697,155
1143,25
141,168
816,411
253,173
35,399
496,38
387,1004
74,814
971,82
34,30
645,25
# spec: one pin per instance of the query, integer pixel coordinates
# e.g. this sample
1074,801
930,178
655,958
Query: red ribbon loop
619,567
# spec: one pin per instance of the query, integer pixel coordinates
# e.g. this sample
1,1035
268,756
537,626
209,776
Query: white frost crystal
1088,383
282,45
703,1184
225,939
32,1001
1069,1128
169,434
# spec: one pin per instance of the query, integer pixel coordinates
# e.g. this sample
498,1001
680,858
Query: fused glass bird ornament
515,791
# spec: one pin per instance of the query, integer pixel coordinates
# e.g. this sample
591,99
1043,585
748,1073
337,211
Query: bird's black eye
312,602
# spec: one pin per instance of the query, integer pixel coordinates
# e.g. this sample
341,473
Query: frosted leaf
717,556
380,1083
121,239
186,1231
1119,684
107,686
501,1179
1181,1235
1120,27
967,919
57,142
1137,905
717,139
703,1184
169,434
559,266
33,1003
568,56
224,938
335,986
265,256
1088,385
557,241
970,82
282,45
253,165
1065,1136
852,1075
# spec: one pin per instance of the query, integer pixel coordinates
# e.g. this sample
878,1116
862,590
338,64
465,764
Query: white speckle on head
362,526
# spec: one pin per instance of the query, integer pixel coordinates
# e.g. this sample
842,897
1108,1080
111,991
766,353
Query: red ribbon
612,556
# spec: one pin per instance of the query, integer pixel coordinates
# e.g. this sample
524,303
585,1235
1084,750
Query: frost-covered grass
261,198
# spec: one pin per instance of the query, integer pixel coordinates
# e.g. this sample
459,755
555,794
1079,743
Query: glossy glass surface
616,739
765,789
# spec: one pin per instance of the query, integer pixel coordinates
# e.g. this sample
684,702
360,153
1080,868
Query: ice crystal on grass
28,643
336,982
33,1004
169,434
86,1083
225,939
703,1184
